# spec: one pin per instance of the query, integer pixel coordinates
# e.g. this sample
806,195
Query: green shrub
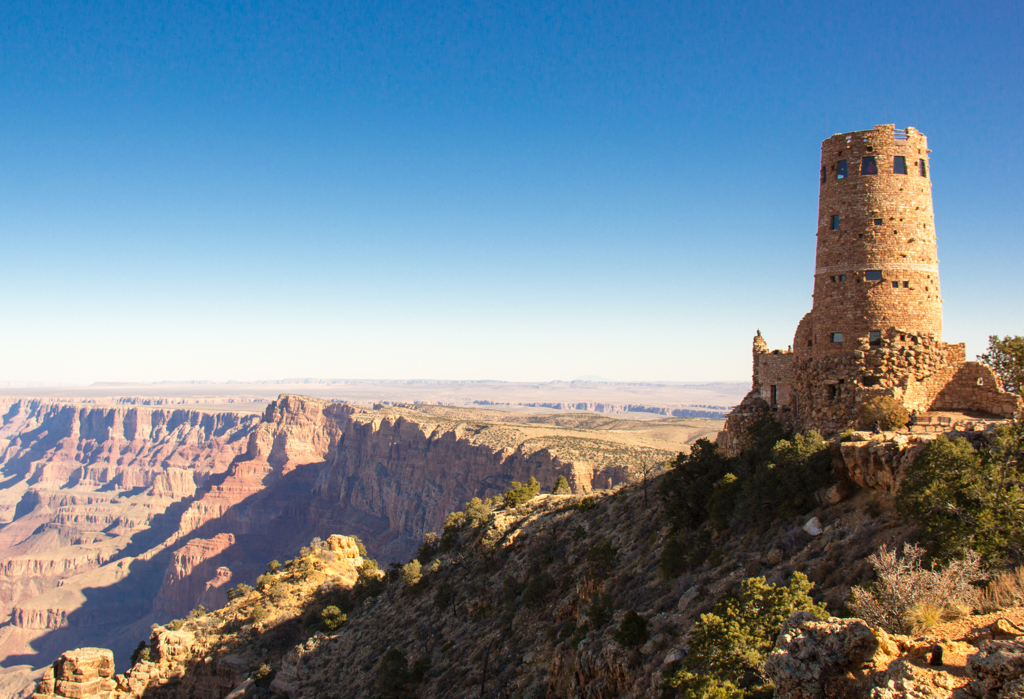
722,503
786,485
579,533
258,614
412,572
240,591
141,653
687,488
477,512
537,589
888,412
729,644
511,589
419,670
562,486
273,566
331,618
632,630
520,493
673,558
263,675
428,549
600,611
602,557
586,504
444,595
393,677
360,547
962,498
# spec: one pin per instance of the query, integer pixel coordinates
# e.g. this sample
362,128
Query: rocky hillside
526,601
150,512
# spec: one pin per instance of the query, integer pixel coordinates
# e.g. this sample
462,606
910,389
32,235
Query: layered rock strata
156,511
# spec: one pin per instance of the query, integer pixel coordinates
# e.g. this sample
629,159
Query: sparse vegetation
910,598
729,643
775,478
632,630
520,493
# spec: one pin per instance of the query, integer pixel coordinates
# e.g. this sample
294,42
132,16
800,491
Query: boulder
811,656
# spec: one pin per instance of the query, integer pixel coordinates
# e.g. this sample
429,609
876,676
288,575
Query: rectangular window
875,337
873,275
899,165
895,285
923,167
843,172
837,337
878,222
868,166
835,223
842,277
774,396
823,174
906,285
833,278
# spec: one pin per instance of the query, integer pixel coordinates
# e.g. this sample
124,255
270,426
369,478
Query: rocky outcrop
812,658
191,576
83,673
996,671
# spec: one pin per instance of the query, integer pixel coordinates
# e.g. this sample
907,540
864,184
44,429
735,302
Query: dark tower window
837,337
842,277
923,167
895,285
843,172
823,174
875,337
899,165
868,166
878,222
835,223
873,275
906,285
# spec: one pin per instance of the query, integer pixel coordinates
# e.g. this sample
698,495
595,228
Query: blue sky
519,191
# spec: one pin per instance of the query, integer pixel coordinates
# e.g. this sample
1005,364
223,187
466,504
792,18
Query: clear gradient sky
468,190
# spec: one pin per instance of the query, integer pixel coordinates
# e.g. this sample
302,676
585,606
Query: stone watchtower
877,266
875,326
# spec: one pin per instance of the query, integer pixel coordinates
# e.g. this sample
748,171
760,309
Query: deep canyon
113,518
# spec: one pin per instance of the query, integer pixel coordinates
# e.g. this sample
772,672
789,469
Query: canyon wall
115,518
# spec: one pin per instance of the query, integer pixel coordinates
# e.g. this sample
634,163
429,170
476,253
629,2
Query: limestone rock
83,673
813,526
811,656
996,671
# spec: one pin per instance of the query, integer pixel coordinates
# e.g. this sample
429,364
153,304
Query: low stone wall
975,386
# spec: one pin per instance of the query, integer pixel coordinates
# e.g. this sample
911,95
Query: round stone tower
876,269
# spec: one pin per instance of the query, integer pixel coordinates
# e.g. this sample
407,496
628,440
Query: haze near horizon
516,192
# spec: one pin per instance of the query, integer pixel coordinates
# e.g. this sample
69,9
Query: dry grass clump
909,598
1005,589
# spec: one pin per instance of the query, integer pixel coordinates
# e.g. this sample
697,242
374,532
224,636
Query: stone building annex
875,325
